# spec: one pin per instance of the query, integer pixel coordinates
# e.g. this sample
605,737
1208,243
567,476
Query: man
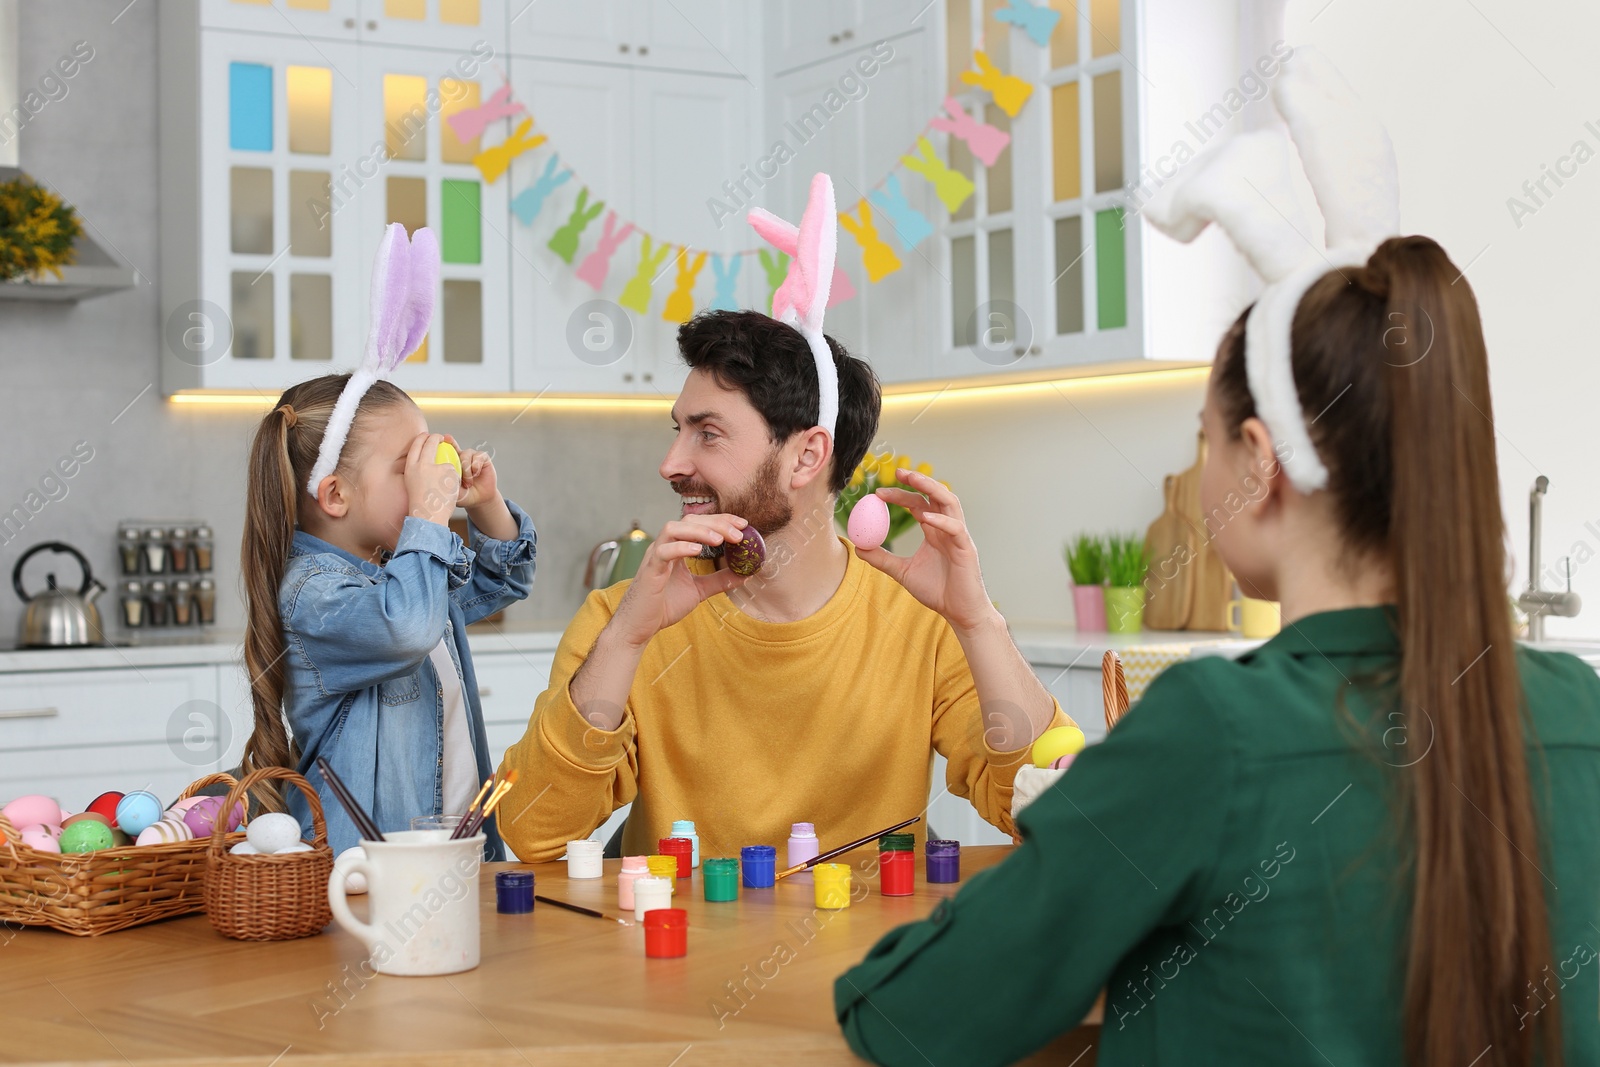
815,690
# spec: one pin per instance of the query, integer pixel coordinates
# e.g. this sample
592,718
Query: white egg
356,881
298,846
273,831
244,848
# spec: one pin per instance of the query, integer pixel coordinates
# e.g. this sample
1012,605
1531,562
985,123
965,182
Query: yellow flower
857,477
886,472
925,468
903,462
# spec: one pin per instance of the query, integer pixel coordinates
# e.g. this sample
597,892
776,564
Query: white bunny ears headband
404,278
1244,186
803,296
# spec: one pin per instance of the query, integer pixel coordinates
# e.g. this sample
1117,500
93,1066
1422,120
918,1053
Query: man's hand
664,591
943,573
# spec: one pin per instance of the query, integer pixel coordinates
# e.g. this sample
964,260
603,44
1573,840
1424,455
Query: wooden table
553,987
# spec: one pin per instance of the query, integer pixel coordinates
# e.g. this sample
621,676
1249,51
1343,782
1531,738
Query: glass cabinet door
462,26
323,19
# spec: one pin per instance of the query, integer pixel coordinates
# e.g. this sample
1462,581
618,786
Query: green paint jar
721,879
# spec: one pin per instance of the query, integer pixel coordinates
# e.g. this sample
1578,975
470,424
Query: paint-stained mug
422,894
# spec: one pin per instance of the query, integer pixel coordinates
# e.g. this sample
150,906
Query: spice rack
164,571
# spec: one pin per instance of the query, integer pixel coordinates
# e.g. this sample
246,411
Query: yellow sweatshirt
747,726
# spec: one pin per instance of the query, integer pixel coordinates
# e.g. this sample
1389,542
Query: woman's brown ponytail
1393,354
281,458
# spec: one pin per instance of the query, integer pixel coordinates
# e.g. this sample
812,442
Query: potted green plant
1126,564
1086,563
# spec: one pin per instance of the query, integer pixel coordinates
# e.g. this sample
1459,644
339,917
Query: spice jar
155,551
132,605
128,539
156,598
202,549
182,602
205,600
178,550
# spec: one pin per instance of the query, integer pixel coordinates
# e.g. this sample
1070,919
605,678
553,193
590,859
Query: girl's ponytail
281,458
1392,355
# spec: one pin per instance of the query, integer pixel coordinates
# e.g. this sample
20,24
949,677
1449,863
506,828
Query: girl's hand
943,573
479,484
431,488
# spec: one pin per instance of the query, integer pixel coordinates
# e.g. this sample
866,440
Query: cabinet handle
628,377
848,35
31,713
349,24
372,24
649,377
833,38
484,691
644,50
1035,350
622,48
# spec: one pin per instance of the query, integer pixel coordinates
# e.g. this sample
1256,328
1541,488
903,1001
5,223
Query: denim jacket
359,687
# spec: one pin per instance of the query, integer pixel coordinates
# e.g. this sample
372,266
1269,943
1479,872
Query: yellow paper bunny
879,258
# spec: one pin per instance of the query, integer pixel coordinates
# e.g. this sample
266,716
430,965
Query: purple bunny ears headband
405,276
803,296
1245,186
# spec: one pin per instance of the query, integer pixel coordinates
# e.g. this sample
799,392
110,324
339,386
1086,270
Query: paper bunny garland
405,276
1244,186
803,297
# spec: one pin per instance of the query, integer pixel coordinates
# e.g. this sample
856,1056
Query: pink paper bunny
597,263
986,141
803,297
470,124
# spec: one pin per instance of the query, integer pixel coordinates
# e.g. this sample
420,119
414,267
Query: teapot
58,618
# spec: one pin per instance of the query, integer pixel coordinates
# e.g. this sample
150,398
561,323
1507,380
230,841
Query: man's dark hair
772,365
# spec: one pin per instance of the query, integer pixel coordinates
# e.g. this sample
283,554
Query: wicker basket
270,898
112,889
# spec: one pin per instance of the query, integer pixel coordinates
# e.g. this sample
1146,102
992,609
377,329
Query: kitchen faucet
1536,602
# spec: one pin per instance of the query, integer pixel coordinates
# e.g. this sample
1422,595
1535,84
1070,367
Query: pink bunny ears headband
1244,186
803,296
404,278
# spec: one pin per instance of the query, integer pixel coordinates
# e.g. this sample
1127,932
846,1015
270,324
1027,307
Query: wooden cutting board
1169,546
1211,583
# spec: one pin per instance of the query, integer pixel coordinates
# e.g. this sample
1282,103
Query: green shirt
1225,866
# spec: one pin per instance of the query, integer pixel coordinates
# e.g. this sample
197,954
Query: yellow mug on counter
1256,618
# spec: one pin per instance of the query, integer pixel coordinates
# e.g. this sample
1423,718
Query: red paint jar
897,869
681,847
666,933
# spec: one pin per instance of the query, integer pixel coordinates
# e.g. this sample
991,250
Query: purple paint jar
944,861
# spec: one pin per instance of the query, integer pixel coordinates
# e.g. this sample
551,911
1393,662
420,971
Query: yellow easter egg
448,454
1053,744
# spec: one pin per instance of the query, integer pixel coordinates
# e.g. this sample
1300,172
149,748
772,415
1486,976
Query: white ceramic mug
422,893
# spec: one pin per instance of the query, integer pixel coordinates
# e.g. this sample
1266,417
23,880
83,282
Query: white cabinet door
429,179
277,228
508,685
73,735
575,30
335,20
678,196
568,337
706,36
447,25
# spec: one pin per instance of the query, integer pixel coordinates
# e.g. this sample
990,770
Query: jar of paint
666,933
758,866
663,867
513,892
721,879
632,867
685,828
832,885
897,865
649,894
802,846
680,847
944,862
583,859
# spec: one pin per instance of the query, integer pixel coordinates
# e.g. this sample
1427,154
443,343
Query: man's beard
761,502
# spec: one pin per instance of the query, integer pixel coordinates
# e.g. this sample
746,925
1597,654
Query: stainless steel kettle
57,618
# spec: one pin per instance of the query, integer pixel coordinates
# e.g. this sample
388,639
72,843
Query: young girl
358,597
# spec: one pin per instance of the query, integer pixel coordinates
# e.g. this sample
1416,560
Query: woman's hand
943,573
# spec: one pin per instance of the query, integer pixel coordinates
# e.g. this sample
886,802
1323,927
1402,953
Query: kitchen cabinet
701,36
417,23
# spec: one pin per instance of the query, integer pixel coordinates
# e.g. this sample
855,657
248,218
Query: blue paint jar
944,861
513,892
758,866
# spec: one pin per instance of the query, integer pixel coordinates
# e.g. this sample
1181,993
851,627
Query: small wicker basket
112,889
270,898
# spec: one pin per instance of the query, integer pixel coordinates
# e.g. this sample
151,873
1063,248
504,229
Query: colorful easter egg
41,838
1055,743
746,555
165,831
273,831
180,806
106,804
85,816
33,810
85,837
869,522
448,454
202,816
137,810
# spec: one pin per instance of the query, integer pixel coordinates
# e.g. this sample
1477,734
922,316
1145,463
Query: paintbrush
832,852
466,817
358,815
476,823
580,909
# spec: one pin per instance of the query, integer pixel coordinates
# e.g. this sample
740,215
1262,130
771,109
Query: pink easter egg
40,838
869,522
34,811
180,806
201,817
1063,762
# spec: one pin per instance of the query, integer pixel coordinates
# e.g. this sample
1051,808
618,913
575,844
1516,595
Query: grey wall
87,372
